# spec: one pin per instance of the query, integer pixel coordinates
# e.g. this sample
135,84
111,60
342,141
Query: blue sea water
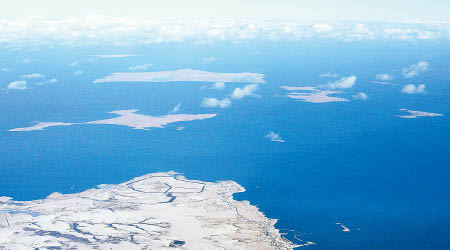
385,178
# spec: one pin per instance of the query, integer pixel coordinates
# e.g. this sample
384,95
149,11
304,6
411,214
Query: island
154,211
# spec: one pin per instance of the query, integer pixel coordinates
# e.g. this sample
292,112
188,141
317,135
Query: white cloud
5,69
113,56
415,69
214,103
322,28
142,67
329,75
95,29
412,89
361,31
77,73
53,80
17,85
384,77
274,137
248,90
343,83
208,60
74,64
218,85
26,61
34,75
360,96
176,109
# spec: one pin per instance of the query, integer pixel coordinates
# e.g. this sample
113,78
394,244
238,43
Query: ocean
356,163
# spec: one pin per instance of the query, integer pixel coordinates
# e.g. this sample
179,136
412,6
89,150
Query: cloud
142,67
176,109
360,96
361,31
214,103
122,31
208,60
53,80
384,77
274,137
77,73
113,56
329,75
74,64
322,28
415,69
343,83
6,69
34,75
248,90
17,85
218,85
412,89
26,61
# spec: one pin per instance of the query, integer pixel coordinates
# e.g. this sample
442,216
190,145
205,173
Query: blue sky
381,10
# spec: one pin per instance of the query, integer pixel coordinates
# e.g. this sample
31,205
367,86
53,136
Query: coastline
160,210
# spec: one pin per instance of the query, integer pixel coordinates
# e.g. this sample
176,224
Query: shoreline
160,210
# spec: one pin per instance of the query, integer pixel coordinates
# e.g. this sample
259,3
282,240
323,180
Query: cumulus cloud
34,75
361,31
208,60
412,89
74,64
95,29
322,28
17,85
77,73
247,90
274,137
142,67
384,77
218,85
113,56
360,96
53,80
415,69
214,103
329,75
343,83
176,109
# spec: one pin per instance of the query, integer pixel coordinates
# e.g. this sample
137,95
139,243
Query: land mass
155,211
182,75
128,118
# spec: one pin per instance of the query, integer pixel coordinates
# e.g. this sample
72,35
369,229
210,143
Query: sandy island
155,211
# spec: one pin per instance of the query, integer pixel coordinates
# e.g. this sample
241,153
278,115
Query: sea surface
385,178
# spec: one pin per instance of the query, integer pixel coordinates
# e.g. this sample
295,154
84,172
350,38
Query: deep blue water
352,162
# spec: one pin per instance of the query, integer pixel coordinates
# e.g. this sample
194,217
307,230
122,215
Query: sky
307,10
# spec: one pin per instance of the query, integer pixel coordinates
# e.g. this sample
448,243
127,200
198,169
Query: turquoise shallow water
355,163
